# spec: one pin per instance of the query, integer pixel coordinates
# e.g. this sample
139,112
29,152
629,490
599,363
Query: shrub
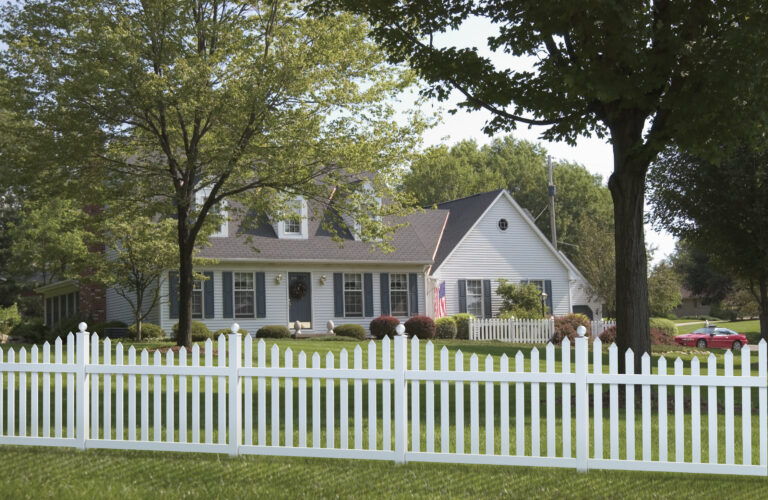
67,325
422,327
462,325
351,330
522,300
658,337
383,326
149,331
665,325
227,331
9,318
32,329
200,331
273,332
445,328
565,326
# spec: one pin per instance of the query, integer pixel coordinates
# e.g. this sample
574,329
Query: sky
591,152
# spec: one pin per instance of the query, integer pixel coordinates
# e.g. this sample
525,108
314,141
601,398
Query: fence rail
409,403
523,331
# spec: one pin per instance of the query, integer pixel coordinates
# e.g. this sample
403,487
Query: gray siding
515,254
118,309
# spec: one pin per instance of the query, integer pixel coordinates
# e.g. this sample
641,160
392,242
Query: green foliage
445,328
462,325
665,325
148,331
383,326
565,326
9,318
200,331
520,300
32,329
698,271
422,327
663,289
742,301
351,330
273,332
227,331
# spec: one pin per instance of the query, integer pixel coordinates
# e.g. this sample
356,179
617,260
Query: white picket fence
523,331
332,409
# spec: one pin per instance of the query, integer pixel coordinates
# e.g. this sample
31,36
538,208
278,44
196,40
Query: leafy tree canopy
523,301
699,273
663,289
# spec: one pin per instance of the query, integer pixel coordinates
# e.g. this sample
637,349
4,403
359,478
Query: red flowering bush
422,327
383,326
565,326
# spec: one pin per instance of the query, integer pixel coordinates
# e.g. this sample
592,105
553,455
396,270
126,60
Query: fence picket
415,410
330,424
445,440
695,414
248,393
565,367
316,411
22,394
261,394
94,387
550,354
46,393
386,404
504,406
358,364
712,404
275,392
490,437
344,403
458,366
11,392
597,399
195,395
372,415
34,421
430,366
535,405
288,398
663,432
157,391
474,423
131,396
183,397
302,402
679,416
613,369
71,387
208,393
629,395
222,416
762,362
746,409
729,427
170,421
645,369
519,407
107,360
58,409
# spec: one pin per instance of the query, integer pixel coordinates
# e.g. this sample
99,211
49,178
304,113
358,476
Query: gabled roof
464,213
414,244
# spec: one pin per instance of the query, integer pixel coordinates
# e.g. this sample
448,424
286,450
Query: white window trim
235,290
303,214
482,296
201,290
407,295
362,295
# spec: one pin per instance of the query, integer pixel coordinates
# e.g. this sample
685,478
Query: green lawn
31,472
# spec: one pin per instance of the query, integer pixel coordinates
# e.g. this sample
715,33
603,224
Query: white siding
515,254
581,296
277,296
118,308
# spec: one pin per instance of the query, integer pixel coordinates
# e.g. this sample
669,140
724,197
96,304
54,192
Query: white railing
598,326
511,412
523,331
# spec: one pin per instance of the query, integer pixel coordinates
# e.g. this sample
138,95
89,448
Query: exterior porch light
322,279
543,301
278,278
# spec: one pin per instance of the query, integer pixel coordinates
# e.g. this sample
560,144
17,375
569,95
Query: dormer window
295,226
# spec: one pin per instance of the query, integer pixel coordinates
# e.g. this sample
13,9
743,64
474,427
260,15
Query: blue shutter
261,296
208,295
226,290
368,294
487,312
338,295
462,296
413,291
548,291
384,288
173,294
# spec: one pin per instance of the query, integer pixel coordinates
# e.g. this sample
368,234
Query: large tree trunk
627,185
186,280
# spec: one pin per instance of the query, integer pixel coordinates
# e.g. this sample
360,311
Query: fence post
235,392
582,402
401,396
82,386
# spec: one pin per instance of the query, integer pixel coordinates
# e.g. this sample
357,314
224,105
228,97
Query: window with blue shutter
413,290
368,294
173,294
208,295
462,296
487,310
548,291
384,289
226,291
338,295
261,296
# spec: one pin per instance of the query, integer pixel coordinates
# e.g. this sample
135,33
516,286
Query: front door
300,299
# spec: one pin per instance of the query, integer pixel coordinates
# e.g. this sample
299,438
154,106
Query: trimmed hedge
665,325
422,327
462,325
273,332
445,328
383,326
200,331
565,326
148,331
227,331
351,330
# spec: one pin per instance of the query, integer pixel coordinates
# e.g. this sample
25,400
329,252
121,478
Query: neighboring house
691,305
299,273
68,298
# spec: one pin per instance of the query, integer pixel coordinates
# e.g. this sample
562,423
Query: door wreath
297,290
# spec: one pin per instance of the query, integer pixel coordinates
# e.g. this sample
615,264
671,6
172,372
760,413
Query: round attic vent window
503,224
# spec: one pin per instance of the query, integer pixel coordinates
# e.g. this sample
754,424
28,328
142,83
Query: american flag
440,310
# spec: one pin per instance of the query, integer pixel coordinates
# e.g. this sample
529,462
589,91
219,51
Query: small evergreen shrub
422,327
384,326
665,325
445,328
33,330
149,331
200,331
273,332
462,325
565,326
351,330
227,331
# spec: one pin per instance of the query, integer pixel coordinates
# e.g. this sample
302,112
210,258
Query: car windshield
706,329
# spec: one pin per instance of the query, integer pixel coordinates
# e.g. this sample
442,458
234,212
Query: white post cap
581,331
82,326
400,329
235,328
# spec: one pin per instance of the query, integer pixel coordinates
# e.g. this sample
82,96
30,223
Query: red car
713,336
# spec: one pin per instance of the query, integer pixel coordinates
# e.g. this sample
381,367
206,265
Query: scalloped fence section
401,400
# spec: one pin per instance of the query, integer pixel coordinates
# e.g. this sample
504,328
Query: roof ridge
470,196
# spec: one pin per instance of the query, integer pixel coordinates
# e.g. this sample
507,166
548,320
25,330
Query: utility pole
552,203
